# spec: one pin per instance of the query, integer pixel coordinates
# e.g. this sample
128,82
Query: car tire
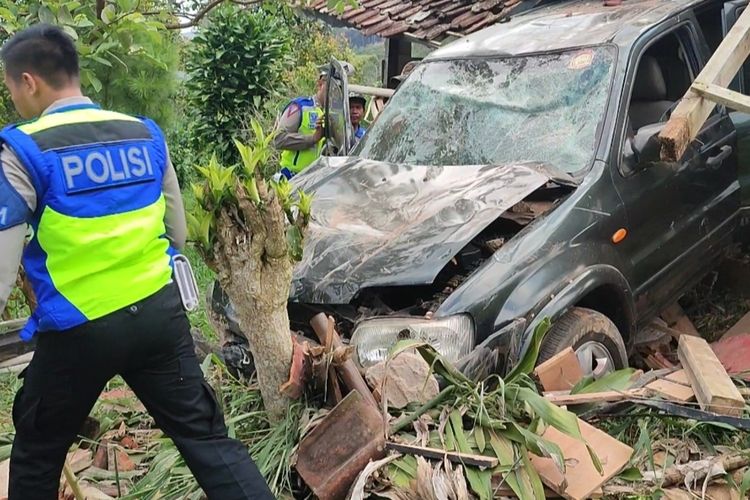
580,328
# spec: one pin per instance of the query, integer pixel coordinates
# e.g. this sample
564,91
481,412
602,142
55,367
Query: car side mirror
646,145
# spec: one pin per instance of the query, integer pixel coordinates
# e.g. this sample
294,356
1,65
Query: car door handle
716,161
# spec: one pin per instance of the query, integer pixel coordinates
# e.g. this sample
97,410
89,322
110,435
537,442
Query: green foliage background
128,59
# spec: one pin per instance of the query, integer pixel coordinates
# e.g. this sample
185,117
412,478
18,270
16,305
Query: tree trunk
254,268
99,8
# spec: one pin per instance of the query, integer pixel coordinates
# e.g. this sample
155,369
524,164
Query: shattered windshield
545,108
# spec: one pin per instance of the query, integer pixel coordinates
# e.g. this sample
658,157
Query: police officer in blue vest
101,195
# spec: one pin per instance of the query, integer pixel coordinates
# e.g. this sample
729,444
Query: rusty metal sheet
332,455
384,224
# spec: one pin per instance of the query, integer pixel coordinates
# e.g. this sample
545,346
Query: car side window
663,75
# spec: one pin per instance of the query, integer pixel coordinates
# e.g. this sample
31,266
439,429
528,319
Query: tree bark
99,8
255,269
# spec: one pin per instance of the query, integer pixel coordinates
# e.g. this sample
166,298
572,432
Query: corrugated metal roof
428,20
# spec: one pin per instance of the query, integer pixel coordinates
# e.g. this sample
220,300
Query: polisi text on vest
97,168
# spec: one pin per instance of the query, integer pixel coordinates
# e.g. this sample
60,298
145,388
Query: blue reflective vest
99,240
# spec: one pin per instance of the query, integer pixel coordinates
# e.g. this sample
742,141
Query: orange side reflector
619,235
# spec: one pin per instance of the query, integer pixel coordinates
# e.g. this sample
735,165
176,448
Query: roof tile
422,19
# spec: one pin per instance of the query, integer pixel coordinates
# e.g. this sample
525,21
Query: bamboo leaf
537,445
528,361
480,438
480,481
528,474
615,381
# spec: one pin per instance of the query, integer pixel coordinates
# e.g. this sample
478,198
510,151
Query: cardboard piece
561,372
581,476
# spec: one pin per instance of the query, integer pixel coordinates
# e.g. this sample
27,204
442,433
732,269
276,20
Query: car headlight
452,336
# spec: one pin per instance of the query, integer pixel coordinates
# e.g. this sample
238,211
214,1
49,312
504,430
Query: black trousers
150,346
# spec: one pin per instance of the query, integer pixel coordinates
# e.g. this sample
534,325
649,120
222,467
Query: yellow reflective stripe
69,117
103,264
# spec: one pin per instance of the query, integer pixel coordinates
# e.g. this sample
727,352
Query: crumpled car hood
383,224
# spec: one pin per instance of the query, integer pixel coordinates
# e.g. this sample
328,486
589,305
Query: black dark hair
44,50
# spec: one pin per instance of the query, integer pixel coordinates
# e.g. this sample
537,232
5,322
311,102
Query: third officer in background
300,136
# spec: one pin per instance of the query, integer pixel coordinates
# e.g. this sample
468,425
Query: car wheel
591,335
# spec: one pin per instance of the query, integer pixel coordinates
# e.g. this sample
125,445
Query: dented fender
571,294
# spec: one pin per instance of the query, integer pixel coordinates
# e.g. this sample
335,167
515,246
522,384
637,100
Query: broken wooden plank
698,469
673,386
325,329
713,388
676,319
561,372
18,360
439,454
581,479
567,399
694,109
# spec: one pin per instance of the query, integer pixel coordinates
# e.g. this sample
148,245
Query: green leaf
745,485
528,362
101,60
478,480
81,21
536,444
109,14
294,240
562,420
305,203
529,477
480,438
632,474
71,32
6,14
95,83
46,16
127,5
615,381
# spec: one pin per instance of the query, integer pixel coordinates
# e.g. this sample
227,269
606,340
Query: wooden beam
721,95
439,454
567,399
713,388
693,110
374,91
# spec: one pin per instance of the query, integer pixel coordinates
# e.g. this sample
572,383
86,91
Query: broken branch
440,454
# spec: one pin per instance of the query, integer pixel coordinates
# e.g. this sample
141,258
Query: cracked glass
538,108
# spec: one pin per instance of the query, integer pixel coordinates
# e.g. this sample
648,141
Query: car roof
564,25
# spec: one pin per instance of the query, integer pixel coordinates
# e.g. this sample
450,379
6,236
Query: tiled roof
428,20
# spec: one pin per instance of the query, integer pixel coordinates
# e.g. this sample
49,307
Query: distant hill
356,39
